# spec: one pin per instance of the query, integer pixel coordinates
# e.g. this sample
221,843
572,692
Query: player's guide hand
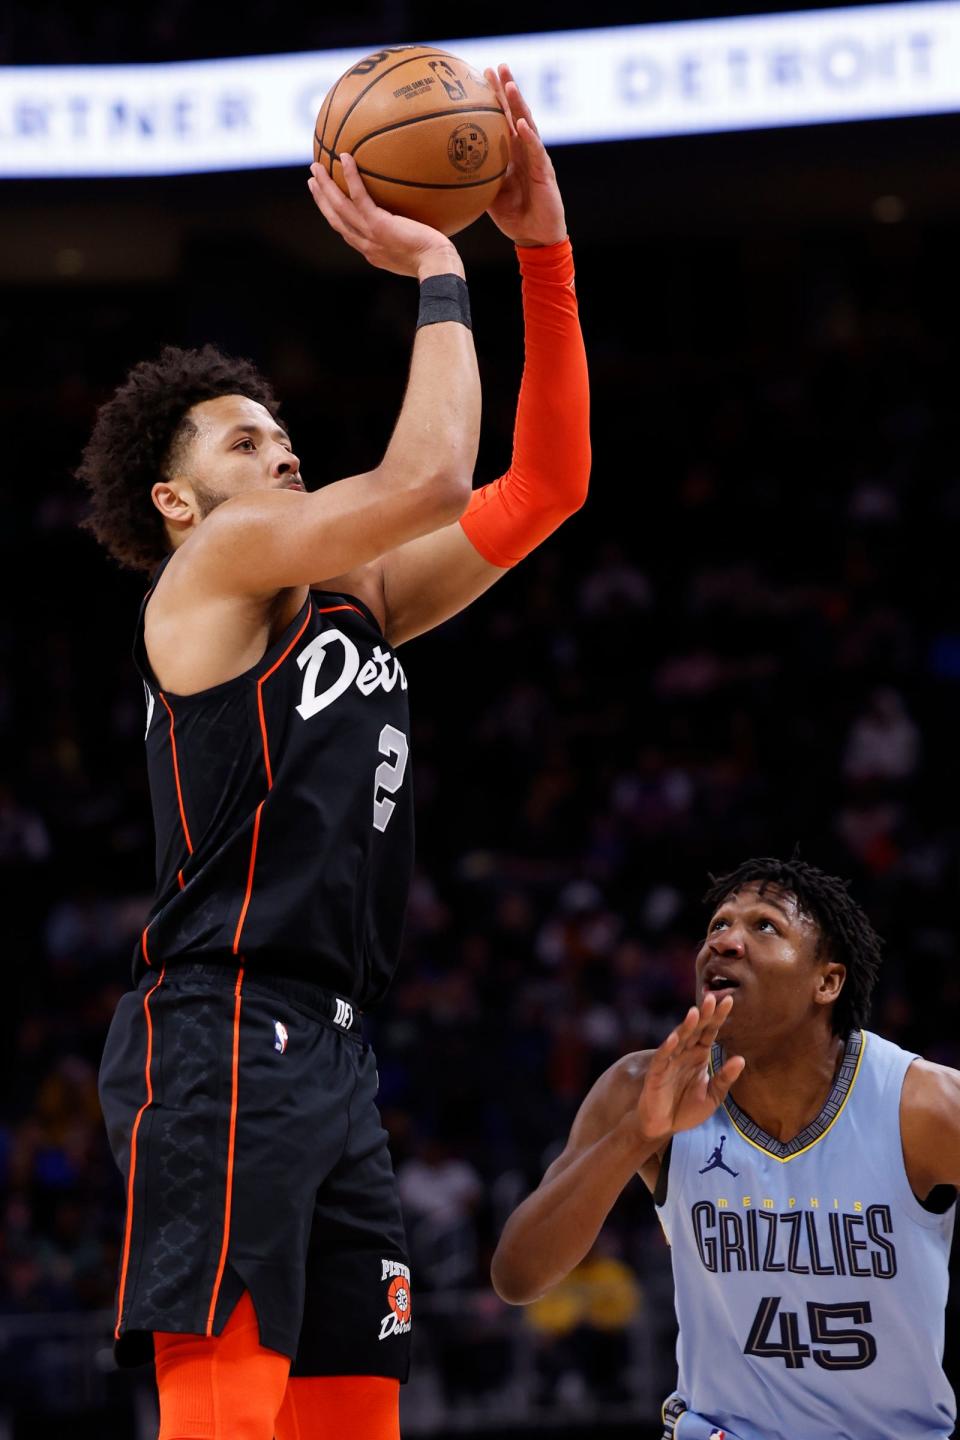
679,1091
528,208
390,242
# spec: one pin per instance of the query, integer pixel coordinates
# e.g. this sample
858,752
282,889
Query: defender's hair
845,932
138,436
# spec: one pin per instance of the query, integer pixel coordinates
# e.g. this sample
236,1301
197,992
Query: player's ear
830,983
173,499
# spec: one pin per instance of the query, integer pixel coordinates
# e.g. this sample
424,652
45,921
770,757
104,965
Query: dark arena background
748,640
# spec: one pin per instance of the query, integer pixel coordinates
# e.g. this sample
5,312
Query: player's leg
355,1339
224,1140
220,1387
340,1407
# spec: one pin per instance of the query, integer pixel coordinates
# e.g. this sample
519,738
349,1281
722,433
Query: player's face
761,949
238,447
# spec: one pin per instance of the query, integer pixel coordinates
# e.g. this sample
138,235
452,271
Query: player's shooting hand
678,1090
390,242
528,208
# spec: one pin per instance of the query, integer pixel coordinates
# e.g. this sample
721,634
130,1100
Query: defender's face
238,447
763,950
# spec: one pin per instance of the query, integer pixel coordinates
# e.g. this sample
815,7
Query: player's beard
206,498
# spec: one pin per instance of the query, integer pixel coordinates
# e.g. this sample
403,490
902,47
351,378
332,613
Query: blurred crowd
58,32
55,32
749,640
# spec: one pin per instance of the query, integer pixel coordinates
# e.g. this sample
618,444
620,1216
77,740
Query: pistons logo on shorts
398,1318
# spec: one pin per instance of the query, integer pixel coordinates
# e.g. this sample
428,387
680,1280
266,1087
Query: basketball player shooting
263,1261
805,1172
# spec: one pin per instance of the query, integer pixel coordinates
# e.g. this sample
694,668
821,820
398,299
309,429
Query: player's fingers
506,75
704,1033
493,80
329,189
660,1059
331,214
356,210
535,157
530,135
687,1028
521,110
349,213
706,1011
358,191
321,201
729,1072
332,202
710,1024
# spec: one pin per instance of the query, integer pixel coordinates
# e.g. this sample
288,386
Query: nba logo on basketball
280,1036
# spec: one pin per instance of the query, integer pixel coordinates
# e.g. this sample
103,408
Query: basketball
426,131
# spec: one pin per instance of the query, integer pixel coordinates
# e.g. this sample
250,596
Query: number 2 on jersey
390,773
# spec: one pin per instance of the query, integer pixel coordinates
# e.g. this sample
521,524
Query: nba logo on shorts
280,1036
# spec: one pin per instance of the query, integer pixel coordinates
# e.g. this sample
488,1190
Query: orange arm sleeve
547,479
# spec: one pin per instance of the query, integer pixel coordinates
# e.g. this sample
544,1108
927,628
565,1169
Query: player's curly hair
138,436
845,932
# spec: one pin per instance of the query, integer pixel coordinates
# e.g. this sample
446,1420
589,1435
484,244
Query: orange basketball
426,131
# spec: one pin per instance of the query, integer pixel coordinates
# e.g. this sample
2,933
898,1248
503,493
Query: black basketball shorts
242,1113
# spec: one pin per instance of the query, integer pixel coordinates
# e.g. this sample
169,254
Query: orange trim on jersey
176,775
228,1197
143,946
266,760
253,861
263,722
128,1233
329,609
181,879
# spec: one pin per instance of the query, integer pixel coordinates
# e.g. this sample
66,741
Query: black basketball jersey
282,806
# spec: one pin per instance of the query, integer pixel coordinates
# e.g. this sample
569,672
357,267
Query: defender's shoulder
930,1125
631,1069
931,1090
618,1088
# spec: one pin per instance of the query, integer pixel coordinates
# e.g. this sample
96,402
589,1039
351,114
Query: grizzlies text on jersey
810,1281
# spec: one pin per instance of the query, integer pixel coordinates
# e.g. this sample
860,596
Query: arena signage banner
627,82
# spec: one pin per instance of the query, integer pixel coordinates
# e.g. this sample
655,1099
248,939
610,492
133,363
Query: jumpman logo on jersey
716,1161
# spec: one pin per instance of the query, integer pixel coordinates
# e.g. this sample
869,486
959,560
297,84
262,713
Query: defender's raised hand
679,1091
390,242
528,208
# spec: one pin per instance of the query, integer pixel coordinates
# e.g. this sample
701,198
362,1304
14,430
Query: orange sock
220,1387
340,1407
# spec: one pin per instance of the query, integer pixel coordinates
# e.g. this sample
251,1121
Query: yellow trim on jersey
785,1159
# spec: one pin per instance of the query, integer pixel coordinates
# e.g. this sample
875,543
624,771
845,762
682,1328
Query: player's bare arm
622,1128
433,577
243,574
930,1126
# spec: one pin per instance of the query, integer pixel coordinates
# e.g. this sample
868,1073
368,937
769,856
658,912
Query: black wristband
444,297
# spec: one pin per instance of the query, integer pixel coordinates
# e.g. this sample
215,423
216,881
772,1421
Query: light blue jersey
810,1281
